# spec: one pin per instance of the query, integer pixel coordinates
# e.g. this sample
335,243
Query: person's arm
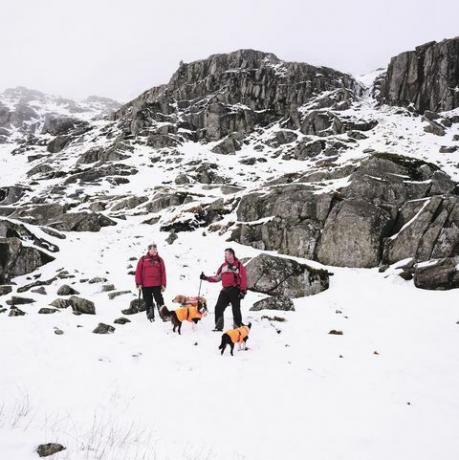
138,272
215,278
163,274
243,277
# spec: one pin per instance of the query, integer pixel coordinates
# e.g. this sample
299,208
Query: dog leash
199,291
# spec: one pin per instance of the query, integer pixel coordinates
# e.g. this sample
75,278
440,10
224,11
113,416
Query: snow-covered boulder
17,259
279,276
438,274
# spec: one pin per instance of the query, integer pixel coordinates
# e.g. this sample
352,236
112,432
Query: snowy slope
386,388
299,392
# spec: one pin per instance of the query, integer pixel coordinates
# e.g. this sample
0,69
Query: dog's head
202,302
202,308
181,299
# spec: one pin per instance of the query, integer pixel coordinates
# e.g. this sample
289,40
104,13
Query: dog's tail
165,313
223,344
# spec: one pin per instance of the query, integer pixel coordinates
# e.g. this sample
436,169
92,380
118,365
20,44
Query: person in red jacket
233,276
150,276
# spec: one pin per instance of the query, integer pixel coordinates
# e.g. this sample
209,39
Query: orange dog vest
238,335
188,313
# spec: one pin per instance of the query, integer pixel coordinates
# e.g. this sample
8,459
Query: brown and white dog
192,309
239,335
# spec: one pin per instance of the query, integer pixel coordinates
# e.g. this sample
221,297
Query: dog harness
188,313
238,335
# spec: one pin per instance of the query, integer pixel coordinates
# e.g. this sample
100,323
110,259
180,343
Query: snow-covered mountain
341,196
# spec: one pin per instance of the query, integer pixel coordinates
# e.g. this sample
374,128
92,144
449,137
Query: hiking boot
217,329
150,314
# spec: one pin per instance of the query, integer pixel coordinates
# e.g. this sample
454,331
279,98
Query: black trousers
228,295
148,294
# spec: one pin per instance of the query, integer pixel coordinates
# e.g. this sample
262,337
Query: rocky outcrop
352,234
279,276
65,289
96,174
79,305
273,303
135,306
10,229
103,328
229,145
15,300
103,155
56,217
10,195
45,450
234,93
426,78
58,125
201,215
393,208
58,143
81,222
439,274
17,259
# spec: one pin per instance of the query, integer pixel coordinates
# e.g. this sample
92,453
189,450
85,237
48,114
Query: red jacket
150,271
231,275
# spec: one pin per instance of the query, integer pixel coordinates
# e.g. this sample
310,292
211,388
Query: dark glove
202,276
242,295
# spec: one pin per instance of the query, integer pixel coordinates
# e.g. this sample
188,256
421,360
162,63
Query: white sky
120,48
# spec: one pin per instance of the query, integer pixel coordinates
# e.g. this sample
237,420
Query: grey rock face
16,259
393,208
234,92
58,143
285,277
352,234
425,77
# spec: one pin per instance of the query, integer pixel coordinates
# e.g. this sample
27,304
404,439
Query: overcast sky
119,48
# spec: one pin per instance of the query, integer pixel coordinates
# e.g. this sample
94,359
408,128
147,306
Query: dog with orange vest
192,309
232,337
